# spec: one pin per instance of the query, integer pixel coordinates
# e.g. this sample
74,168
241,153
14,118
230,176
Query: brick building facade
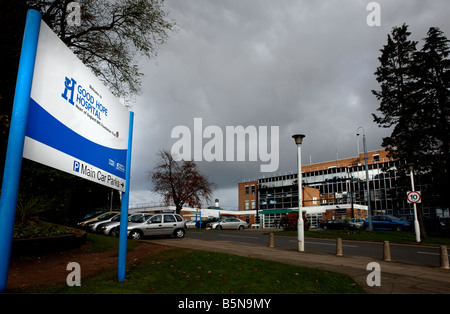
334,188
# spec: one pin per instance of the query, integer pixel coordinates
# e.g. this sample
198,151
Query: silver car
156,225
229,223
356,223
92,226
112,227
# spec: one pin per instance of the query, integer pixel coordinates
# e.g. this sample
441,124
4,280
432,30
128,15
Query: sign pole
124,208
416,222
13,161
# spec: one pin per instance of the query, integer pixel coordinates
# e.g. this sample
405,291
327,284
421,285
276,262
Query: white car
229,223
191,224
157,225
356,223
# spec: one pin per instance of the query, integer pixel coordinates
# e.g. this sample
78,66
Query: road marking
236,236
429,253
330,244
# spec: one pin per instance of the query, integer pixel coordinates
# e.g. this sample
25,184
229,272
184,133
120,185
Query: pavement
395,277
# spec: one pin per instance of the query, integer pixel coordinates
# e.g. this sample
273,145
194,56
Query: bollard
444,257
386,251
339,247
271,241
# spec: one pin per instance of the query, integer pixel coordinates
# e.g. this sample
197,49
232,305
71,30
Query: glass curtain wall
343,185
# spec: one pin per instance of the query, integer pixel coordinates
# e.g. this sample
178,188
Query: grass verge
191,271
96,243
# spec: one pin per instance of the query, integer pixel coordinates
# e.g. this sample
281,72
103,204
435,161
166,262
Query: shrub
290,222
28,210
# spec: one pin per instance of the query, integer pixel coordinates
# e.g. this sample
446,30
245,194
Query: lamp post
416,222
300,228
367,179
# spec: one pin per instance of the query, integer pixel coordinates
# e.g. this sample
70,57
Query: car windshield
394,218
91,215
116,218
106,216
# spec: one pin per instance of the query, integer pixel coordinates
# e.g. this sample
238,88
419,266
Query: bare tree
180,182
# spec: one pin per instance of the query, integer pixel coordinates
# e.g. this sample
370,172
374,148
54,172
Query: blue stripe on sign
45,128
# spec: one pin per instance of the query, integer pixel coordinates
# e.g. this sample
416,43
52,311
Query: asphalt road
419,254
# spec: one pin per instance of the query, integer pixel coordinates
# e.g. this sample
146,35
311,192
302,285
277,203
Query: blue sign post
124,209
13,162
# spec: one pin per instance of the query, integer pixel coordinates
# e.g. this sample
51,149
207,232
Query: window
169,218
253,189
376,158
136,218
253,204
156,219
246,190
246,205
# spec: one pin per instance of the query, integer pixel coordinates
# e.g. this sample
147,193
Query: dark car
211,220
387,222
332,224
203,223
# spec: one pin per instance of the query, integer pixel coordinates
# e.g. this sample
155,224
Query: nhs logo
76,166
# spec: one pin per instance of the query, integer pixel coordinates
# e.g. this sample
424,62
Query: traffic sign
413,197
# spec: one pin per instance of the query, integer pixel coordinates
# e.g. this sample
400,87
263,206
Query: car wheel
179,233
135,234
114,232
399,228
241,227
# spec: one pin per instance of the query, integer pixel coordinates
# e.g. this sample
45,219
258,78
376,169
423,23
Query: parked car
112,227
431,224
356,223
99,217
332,224
157,225
191,224
93,225
204,223
387,222
229,223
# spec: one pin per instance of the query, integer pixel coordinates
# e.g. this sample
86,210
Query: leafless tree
180,182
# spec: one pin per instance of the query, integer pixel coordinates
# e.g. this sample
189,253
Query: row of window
339,186
247,204
247,189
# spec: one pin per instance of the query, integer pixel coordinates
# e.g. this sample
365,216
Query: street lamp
367,178
300,229
416,222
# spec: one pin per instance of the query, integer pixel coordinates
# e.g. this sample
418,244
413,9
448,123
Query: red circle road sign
413,197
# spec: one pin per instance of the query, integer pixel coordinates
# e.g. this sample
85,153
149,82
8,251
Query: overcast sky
304,66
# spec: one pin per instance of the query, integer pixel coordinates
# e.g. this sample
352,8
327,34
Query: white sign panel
75,124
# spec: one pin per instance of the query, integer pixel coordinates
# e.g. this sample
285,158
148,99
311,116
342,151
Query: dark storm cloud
304,66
